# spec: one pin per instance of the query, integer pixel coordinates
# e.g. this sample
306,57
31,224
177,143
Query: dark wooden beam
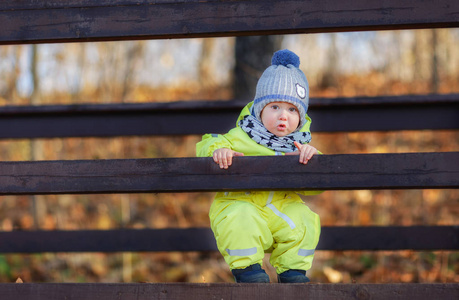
323,172
369,238
383,113
204,291
29,21
390,238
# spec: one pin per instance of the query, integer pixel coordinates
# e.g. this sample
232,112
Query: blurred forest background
336,64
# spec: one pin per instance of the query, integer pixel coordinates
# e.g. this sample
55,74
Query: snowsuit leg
294,241
241,232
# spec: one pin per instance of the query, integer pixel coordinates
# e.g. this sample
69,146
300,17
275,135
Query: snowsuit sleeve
211,142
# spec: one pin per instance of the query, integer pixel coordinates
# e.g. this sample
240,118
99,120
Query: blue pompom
285,57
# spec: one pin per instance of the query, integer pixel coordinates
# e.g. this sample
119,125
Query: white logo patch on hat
301,91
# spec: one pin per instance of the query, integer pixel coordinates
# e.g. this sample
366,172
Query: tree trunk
435,77
253,56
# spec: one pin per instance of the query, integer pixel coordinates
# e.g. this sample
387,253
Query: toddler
248,224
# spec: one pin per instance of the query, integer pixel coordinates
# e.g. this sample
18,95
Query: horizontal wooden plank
123,240
323,172
409,112
29,21
369,238
201,291
390,238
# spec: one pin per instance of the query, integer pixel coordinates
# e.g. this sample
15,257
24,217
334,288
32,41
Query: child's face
280,118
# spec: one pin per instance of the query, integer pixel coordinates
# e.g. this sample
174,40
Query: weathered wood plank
371,238
82,20
390,238
410,112
201,291
323,172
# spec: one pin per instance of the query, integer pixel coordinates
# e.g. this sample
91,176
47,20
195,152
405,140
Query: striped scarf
258,132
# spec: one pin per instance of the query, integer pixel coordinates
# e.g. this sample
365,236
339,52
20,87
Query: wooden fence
28,21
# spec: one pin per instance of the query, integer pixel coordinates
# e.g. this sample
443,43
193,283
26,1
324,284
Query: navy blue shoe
251,274
293,276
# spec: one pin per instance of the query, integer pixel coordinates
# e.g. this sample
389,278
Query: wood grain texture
201,291
367,238
82,20
323,172
410,112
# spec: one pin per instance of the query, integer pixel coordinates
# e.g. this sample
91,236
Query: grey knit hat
283,81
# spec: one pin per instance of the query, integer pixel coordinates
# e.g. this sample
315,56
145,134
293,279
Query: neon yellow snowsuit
248,224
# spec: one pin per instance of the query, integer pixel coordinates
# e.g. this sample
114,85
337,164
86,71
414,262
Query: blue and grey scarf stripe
257,132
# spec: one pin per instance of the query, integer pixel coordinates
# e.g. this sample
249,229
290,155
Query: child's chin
281,134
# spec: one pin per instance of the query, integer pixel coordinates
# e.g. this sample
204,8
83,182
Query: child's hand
224,157
304,151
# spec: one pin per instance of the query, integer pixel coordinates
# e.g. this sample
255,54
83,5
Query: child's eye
274,106
292,109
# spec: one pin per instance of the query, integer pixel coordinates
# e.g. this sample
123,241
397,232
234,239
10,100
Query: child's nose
283,115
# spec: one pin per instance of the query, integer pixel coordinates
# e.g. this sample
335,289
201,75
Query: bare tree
434,78
12,80
134,54
205,64
329,76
